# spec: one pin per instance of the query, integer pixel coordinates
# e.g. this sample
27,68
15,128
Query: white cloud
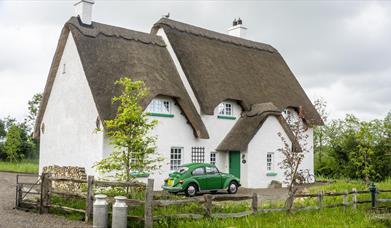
338,50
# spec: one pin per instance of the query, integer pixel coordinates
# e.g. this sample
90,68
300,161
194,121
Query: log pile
69,172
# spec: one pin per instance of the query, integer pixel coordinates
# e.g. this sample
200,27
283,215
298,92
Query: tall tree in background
3,132
320,135
33,107
13,143
129,133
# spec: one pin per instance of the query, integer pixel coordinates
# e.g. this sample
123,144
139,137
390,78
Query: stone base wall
66,171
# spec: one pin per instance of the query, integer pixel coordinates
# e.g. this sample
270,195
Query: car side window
211,170
198,171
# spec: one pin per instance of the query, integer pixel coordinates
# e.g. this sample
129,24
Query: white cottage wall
308,161
265,140
69,136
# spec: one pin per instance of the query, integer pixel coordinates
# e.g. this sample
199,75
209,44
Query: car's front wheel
232,187
191,190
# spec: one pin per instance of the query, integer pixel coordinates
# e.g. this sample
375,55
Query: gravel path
10,218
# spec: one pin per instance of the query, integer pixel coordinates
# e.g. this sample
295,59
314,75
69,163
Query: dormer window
160,107
226,111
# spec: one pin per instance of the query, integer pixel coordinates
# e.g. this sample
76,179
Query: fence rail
45,190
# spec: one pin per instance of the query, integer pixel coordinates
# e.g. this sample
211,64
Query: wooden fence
206,200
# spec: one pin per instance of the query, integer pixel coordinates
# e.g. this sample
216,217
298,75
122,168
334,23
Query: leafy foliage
353,148
13,144
16,139
129,133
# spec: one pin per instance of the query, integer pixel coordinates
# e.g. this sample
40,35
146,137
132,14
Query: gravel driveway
10,218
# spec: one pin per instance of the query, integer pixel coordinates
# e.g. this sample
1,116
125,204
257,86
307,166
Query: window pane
221,109
213,158
198,171
176,158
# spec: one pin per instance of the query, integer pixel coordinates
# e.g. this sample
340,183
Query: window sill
271,174
160,114
139,174
226,117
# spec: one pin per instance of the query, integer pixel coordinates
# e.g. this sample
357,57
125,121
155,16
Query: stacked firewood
67,172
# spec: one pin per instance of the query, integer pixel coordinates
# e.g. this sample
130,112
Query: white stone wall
266,140
70,118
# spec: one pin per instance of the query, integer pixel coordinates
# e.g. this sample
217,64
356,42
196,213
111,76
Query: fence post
208,205
254,203
345,199
320,200
44,193
354,198
19,194
89,198
373,190
148,216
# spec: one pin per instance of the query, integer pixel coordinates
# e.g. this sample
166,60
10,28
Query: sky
339,51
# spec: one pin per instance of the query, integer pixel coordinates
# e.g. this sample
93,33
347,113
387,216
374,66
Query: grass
327,217
24,166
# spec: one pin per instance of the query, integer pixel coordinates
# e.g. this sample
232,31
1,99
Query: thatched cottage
218,97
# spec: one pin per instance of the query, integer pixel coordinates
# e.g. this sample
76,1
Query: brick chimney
237,29
83,9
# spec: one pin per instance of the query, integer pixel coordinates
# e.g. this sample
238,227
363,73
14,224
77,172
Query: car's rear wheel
191,190
232,187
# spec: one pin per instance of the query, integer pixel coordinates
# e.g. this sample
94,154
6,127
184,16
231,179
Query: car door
199,175
214,178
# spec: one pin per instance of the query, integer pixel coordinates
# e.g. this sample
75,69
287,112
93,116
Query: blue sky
338,50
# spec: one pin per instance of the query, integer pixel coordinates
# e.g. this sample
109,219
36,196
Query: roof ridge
97,29
210,34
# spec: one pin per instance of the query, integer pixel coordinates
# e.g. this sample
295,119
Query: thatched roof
248,125
108,53
221,67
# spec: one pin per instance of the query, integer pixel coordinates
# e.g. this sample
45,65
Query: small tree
129,133
13,144
293,155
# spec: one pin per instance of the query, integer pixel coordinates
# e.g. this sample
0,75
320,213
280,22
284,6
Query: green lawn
24,166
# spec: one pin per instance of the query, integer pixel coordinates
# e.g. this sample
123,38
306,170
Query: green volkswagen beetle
200,177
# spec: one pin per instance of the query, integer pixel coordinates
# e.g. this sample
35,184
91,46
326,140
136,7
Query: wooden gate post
19,195
148,216
44,202
89,198
254,203
354,198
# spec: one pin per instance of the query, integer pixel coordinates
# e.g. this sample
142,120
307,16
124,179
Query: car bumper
172,189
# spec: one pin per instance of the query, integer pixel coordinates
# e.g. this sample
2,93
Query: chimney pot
83,9
237,29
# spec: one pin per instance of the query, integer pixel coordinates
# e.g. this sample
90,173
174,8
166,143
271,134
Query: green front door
234,163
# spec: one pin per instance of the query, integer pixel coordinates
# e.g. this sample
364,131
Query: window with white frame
226,109
175,157
159,106
270,161
198,154
213,158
